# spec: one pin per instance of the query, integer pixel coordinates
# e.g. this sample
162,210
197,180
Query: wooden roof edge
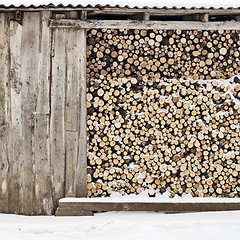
112,10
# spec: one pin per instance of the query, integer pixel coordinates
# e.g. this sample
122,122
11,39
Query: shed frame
50,22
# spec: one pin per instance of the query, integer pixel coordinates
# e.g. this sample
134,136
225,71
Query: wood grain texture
57,117
43,134
43,192
29,69
159,12
15,133
79,208
71,138
81,168
156,124
42,78
135,24
4,73
127,11
73,46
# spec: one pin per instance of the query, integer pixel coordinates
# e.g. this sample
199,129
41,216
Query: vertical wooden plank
15,133
81,167
43,193
71,121
4,67
30,181
71,161
43,83
43,203
29,75
57,118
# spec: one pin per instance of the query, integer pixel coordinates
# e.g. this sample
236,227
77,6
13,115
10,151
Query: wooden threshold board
86,206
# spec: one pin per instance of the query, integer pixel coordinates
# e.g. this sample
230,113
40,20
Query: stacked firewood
163,112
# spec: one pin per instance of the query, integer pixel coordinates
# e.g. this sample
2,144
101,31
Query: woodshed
102,99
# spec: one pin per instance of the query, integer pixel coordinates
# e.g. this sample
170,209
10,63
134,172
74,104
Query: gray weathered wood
144,16
43,202
72,15
160,11
57,115
43,192
43,136
81,167
79,208
134,24
4,119
203,17
29,174
29,76
127,11
43,114
71,138
15,133
68,211
73,46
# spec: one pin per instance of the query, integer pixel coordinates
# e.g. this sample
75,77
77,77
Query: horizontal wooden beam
163,11
151,11
135,24
88,207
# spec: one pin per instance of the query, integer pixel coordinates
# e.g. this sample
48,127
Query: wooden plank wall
4,113
40,85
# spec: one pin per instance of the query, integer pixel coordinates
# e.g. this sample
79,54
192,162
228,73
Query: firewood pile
163,112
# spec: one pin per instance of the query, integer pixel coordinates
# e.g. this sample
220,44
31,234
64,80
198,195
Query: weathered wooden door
68,110
42,103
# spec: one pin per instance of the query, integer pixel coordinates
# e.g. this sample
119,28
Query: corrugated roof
99,6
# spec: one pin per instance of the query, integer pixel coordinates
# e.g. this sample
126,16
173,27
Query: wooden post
83,15
81,168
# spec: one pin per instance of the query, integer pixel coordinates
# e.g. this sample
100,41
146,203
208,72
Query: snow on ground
124,226
144,197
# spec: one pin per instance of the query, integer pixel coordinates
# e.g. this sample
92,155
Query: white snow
144,197
139,3
153,200
123,225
